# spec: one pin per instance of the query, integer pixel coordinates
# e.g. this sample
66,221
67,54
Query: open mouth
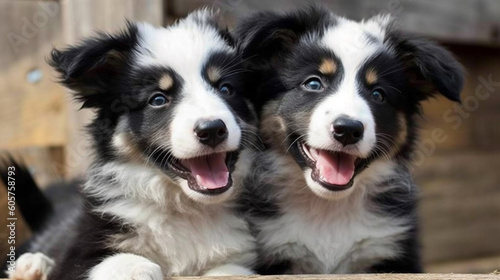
207,174
333,170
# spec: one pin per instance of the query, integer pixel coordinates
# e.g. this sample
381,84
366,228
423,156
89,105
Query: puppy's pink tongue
210,171
335,168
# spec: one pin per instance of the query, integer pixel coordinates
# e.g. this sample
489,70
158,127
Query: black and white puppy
171,123
338,101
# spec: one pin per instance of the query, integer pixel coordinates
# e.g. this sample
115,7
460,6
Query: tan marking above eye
166,82
213,73
371,76
328,67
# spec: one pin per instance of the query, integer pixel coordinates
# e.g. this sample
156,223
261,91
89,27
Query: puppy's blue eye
226,89
158,100
378,95
313,84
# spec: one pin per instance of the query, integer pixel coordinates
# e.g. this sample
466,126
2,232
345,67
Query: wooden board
33,110
460,209
351,277
356,277
466,266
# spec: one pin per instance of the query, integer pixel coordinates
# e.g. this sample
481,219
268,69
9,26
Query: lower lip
330,187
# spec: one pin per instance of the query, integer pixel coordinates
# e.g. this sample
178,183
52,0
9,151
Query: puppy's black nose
347,131
211,133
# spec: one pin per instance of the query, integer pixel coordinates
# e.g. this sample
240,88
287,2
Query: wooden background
459,177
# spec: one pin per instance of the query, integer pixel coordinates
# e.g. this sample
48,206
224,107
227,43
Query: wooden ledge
492,276
495,276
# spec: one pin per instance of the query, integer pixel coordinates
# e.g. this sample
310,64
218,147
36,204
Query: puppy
339,101
169,135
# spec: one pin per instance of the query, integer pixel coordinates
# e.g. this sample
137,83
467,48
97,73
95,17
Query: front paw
32,266
229,270
126,267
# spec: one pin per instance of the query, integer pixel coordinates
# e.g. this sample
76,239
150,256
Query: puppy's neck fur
143,188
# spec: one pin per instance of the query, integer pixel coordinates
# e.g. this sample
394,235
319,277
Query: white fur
377,25
180,235
321,236
32,266
126,267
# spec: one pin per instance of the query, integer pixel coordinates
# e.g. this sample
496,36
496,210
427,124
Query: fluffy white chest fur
324,236
190,246
182,236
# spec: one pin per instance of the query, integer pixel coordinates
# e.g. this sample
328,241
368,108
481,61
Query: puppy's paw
31,266
126,267
228,270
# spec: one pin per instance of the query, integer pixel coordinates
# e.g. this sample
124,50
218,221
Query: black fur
30,200
88,245
433,69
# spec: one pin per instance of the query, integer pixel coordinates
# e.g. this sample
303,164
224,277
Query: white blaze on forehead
184,47
350,43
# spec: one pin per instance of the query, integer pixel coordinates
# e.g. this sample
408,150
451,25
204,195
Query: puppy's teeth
198,180
307,151
314,153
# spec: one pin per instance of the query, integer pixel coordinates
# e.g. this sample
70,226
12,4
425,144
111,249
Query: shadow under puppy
339,101
169,133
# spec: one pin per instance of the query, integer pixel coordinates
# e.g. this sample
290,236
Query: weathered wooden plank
459,206
492,276
449,20
357,277
32,108
466,266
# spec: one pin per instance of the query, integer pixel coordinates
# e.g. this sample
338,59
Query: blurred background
457,164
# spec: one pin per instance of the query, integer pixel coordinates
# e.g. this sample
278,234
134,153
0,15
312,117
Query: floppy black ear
265,37
432,68
92,68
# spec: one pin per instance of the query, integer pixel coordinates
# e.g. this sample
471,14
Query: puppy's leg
126,267
32,266
228,270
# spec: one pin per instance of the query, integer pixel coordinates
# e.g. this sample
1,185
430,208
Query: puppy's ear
432,68
92,68
211,17
264,38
